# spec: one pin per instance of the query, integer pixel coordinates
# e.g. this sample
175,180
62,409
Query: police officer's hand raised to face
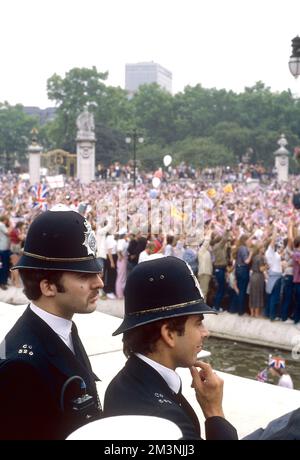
163,330
208,388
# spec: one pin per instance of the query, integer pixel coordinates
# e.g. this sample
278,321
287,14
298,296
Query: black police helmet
60,239
161,288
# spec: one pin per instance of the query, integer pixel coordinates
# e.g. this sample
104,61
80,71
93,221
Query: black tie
188,410
78,348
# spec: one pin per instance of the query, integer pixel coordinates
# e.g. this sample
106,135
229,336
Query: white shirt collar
61,326
172,379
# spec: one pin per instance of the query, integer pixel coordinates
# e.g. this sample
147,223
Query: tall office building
44,115
147,72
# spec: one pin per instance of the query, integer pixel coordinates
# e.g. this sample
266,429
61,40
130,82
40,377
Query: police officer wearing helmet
47,386
163,329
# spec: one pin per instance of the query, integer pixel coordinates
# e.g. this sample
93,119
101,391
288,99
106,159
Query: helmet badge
195,280
90,239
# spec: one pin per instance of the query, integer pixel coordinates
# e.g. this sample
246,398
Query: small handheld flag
262,376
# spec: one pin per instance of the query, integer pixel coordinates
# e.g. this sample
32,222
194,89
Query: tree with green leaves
82,88
15,127
202,152
233,136
221,121
153,112
78,89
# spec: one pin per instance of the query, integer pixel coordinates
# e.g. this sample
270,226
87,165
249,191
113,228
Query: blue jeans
219,274
242,279
273,300
130,266
233,300
287,294
297,302
4,270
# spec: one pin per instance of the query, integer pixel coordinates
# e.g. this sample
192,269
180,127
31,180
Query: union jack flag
262,376
277,362
40,191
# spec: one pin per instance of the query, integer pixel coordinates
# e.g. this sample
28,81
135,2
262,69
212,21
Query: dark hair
242,240
31,279
142,339
170,239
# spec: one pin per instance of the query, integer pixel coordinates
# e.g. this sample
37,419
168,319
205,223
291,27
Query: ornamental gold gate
59,162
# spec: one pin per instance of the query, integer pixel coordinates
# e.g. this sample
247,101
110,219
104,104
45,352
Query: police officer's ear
48,289
168,336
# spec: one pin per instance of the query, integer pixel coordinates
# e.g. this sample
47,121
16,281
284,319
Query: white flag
56,181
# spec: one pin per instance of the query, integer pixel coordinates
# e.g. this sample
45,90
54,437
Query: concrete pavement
260,331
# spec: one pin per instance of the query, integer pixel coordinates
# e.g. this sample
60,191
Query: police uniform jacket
37,388
138,389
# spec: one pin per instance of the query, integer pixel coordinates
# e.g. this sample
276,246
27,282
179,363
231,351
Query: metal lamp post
294,62
134,137
294,65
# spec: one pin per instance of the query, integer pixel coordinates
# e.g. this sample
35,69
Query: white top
122,246
111,244
61,326
172,379
205,266
286,381
273,260
156,255
101,239
169,250
143,256
4,238
259,233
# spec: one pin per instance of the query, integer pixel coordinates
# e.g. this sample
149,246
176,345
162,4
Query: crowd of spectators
238,173
246,256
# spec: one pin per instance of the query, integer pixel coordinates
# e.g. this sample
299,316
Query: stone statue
85,122
85,147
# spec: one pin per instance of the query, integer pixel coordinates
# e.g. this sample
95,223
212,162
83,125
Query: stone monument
85,146
34,151
282,160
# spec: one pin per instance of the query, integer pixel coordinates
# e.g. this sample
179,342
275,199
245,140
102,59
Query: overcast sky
218,43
